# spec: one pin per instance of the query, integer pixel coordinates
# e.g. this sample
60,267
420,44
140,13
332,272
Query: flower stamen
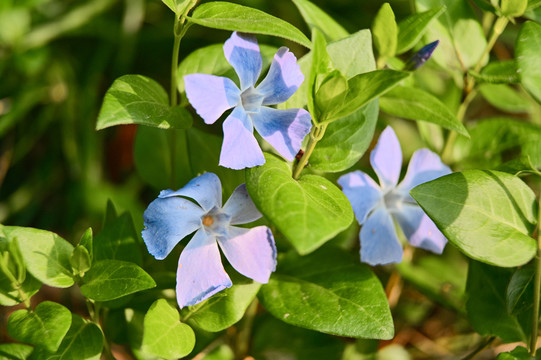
208,220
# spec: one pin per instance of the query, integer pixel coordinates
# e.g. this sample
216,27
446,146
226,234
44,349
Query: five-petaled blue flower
212,95
375,206
200,274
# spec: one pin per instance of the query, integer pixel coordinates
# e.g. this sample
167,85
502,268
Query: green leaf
513,8
46,255
118,241
320,66
318,19
84,341
528,60
111,279
137,99
346,140
44,327
505,98
223,309
164,335
385,31
498,72
416,104
532,4
488,215
177,6
331,93
518,353
15,351
412,28
228,16
486,305
80,260
520,290
88,238
329,292
308,212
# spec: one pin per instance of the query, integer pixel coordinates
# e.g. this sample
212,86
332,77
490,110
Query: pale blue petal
386,158
362,192
205,189
283,79
251,252
419,229
211,95
200,272
424,166
242,52
379,243
240,207
167,221
283,129
240,148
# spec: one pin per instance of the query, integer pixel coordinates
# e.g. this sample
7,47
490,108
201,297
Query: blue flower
375,205
212,95
421,56
198,207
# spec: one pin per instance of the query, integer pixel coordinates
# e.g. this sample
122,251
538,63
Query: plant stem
537,288
480,347
23,296
316,134
243,337
94,312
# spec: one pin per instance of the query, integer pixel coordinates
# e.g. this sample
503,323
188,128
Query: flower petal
386,158
283,79
362,192
240,148
205,189
242,52
420,229
200,273
167,221
283,129
240,207
424,166
251,252
211,95
379,243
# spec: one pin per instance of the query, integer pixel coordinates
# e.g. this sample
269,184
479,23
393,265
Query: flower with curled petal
212,95
375,205
198,207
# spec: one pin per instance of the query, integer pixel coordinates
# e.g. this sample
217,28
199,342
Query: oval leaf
486,214
329,292
416,104
318,19
137,99
228,16
308,212
412,28
528,60
385,31
84,341
15,351
164,335
111,279
499,72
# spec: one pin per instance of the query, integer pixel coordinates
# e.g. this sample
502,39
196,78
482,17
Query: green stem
23,296
243,338
94,312
537,288
316,134
480,347
177,30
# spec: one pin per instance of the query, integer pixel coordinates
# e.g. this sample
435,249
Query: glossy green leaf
488,215
532,4
416,104
223,309
505,98
164,335
412,28
320,66
329,291
15,351
346,140
308,212
84,341
385,31
111,279
513,8
177,6
528,60
80,260
233,17
46,255
45,327
137,99
520,290
118,241
518,353
486,304
87,240
330,94
499,72
318,19
10,295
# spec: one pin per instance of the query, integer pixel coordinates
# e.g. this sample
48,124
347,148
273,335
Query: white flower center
216,222
251,99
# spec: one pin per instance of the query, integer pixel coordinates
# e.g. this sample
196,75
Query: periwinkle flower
198,207
212,95
421,56
375,205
